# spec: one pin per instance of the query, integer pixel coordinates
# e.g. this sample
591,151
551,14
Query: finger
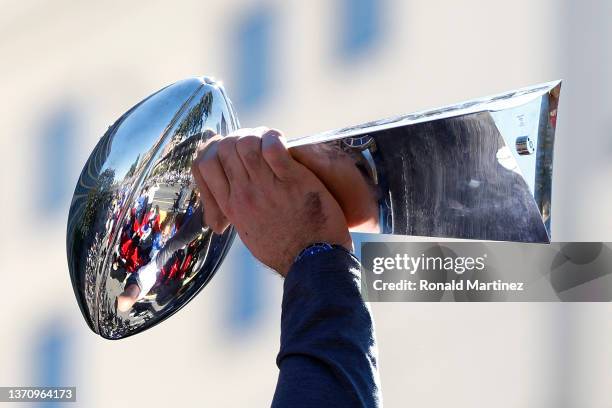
211,172
230,161
249,150
213,216
201,149
276,155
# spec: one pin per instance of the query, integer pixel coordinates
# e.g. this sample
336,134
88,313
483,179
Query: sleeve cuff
330,273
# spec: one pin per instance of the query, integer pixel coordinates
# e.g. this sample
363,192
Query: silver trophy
476,170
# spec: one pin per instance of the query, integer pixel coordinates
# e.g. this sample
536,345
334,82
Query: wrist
320,247
320,261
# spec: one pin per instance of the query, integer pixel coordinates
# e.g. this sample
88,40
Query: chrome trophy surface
137,248
480,169
135,206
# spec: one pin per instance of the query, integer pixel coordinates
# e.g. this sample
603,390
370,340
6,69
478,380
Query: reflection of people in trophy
137,234
140,282
179,198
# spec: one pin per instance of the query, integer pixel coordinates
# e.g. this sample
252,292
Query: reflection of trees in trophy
87,194
178,158
195,118
92,195
190,126
130,173
181,149
97,196
96,206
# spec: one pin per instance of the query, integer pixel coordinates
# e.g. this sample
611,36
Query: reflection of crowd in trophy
156,244
159,246
174,177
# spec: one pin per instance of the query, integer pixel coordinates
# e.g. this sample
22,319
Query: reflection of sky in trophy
136,133
140,128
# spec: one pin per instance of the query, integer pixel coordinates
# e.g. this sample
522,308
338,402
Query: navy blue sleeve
328,351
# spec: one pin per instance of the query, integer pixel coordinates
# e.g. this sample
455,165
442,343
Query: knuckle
273,144
208,145
226,146
248,142
274,132
260,130
247,145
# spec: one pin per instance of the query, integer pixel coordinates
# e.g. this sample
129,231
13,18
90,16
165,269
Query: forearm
328,349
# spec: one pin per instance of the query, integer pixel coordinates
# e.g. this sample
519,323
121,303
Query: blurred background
70,68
